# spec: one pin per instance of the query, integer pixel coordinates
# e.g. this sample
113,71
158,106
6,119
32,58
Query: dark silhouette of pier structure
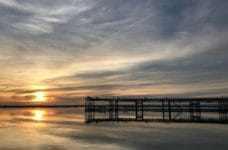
204,110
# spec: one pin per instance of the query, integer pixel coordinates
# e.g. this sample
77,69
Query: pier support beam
116,110
139,110
195,110
89,110
111,108
222,111
163,111
170,115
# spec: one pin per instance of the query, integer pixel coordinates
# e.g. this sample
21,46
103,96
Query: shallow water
64,129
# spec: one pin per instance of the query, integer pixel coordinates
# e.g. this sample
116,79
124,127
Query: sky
69,49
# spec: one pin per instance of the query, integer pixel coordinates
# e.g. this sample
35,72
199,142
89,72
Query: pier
116,109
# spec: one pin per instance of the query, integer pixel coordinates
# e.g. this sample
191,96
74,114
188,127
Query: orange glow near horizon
39,97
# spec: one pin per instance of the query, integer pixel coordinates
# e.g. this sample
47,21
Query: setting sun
39,97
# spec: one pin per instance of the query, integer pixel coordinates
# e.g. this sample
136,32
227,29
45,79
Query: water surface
64,129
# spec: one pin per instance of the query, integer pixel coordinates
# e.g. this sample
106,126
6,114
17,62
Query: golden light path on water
38,115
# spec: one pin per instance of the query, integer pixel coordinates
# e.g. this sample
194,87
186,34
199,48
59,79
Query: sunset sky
64,50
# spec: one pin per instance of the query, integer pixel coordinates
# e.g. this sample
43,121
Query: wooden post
170,117
136,110
116,110
142,110
111,109
163,111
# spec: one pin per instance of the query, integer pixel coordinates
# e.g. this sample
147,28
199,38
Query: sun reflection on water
38,115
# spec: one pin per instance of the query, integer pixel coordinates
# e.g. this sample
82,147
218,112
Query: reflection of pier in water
210,110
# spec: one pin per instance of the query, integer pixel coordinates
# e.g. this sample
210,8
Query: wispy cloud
42,16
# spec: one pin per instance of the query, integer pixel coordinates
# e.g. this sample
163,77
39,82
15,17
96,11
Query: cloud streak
43,17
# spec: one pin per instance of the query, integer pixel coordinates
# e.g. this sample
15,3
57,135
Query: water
64,129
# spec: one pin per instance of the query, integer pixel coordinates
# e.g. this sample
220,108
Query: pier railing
214,110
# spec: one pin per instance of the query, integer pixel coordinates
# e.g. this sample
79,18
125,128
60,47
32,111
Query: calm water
64,129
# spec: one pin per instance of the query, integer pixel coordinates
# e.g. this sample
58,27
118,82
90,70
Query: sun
39,97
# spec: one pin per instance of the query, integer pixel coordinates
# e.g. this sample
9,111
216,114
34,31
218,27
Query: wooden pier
204,110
